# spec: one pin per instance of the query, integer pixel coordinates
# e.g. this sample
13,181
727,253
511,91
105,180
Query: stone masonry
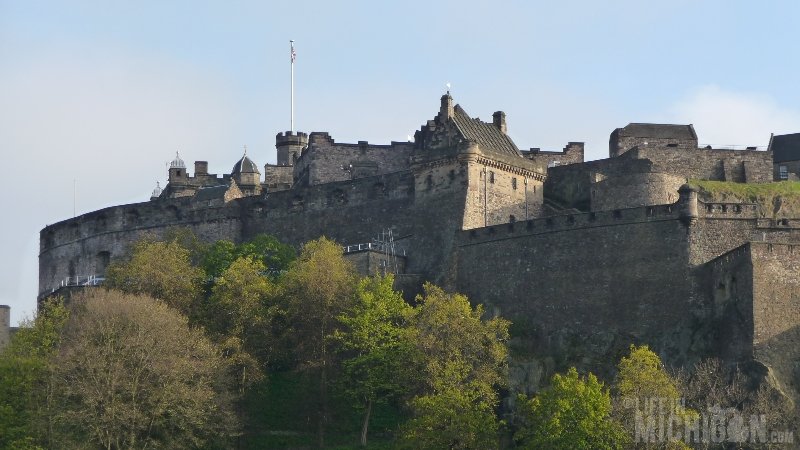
584,257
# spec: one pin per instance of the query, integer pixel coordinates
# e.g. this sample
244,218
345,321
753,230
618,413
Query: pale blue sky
104,92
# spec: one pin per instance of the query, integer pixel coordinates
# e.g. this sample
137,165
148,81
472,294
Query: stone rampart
582,287
326,161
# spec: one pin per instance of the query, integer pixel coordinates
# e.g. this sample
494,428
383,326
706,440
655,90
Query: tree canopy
574,413
131,373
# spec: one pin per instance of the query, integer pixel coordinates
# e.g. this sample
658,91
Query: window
784,172
491,177
514,183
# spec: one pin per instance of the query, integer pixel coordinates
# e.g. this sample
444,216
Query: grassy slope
781,199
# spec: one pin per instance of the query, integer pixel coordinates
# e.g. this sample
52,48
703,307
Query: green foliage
463,362
641,377
273,255
376,346
773,198
131,373
572,414
318,288
24,375
239,314
162,270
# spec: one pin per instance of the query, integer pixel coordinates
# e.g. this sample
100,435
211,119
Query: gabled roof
658,131
785,147
487,135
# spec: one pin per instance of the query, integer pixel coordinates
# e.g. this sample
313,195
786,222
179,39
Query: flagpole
291,44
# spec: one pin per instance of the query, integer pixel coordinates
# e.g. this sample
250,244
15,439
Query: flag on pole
294,55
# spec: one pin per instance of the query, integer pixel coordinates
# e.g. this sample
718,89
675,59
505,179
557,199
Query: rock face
584,257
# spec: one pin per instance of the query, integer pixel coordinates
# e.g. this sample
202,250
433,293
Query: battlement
572,153
728,210
291,138
566,222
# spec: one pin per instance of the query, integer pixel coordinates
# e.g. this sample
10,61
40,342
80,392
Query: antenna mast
293,56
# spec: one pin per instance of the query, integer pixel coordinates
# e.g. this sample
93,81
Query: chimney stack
500,121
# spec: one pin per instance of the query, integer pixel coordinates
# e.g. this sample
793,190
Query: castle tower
177,171
289,146
5,326
247,177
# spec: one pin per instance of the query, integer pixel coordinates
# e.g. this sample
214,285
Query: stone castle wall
582,287
325,161
741,166
635,189
776,311
351,212
652,175
573,153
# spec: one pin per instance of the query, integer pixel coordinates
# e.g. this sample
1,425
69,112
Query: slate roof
786,147
244,165
658,131
211,193
488,136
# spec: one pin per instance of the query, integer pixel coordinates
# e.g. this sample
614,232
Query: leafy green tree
24,381
217,257
464,362
376,346
274,255
240,308
641,378
318,288
162,270
131,373
572,414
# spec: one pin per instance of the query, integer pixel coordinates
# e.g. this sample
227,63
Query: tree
641,378
274,255
376,346
572,414
162,270
464,362
131,373
318,289
240,308
24,380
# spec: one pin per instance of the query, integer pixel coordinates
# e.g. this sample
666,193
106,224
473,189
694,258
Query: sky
96,96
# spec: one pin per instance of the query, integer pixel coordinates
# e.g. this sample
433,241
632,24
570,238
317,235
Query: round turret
687,199
290,146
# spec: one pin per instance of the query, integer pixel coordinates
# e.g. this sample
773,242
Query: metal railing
89,280
375,246
733,147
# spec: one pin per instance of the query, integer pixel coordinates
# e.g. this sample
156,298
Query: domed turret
244,165
156,192
177,163
246,174
177,171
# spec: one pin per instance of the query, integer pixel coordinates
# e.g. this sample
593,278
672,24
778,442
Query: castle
584,257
